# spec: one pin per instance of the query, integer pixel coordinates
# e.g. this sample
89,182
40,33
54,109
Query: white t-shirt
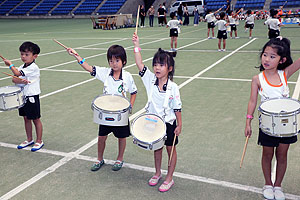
112,86
231,20
32,74
267,90
221,25
250,19
273,23
157,99
210,17
173,23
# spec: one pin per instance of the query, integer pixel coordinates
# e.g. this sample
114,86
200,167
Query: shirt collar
112,74
164,86
24,66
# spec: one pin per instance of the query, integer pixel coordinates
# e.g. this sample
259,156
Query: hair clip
279,37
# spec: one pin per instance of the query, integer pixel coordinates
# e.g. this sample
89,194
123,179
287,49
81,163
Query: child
232,17
249,22
273,24
30,72
222,34
276,66
173,24
159,84
210,18
116,81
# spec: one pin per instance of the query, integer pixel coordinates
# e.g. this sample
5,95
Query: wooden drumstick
172,150
64,46
244,151
13,76
2,57
137,19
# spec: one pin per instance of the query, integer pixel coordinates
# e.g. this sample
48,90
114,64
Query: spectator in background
164,7
186,15
180,12
196,16
151,13
142,16
161,15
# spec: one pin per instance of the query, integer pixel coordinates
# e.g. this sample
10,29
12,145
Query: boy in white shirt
249,22
30,72
117,82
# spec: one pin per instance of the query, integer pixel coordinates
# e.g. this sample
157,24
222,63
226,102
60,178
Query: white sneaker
219,49
250,38
278,193
268,192
37,146
223,49
237,37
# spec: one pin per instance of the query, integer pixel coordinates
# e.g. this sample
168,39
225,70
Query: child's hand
7,62
72,52
135,40
177,130
248,131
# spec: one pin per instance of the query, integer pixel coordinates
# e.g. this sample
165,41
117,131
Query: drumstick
13,76
172,150
2,57
64,46
137,19
244,151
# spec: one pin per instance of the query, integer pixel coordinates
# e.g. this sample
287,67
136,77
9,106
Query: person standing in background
142,16
151,12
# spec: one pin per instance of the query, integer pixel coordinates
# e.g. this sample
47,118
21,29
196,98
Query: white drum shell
140,138
111,118
11,97
280,124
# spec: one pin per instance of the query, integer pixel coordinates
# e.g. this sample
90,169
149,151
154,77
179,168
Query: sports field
215,89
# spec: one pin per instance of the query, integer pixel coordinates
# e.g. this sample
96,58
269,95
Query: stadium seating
44,7
252,4
215,4
289,4
65,7
8,5
111,6
24,7
87,7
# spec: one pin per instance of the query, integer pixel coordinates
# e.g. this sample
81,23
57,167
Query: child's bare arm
137,53
80,60
12,67
178,128
290,70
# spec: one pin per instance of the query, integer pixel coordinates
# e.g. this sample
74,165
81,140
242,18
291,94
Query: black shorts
211,25
270,141
170,134
32,108
233,27
251,26
118,131
222,35
273,33
173,32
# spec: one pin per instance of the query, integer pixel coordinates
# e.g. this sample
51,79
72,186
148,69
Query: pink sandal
154,180
166,186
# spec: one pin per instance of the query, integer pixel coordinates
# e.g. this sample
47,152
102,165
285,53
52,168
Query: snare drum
111,110
149,131
279,117
11,97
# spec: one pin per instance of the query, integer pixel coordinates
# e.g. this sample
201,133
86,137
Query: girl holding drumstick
276,66
158,85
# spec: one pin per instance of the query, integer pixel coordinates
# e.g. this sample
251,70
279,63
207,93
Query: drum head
148,128
111,102
9,89
280,105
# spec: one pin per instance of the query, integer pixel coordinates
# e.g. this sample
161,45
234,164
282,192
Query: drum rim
94,106
156,141
279,135
279,114
10,86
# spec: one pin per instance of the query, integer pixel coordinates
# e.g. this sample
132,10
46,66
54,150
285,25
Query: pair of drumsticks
10,74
